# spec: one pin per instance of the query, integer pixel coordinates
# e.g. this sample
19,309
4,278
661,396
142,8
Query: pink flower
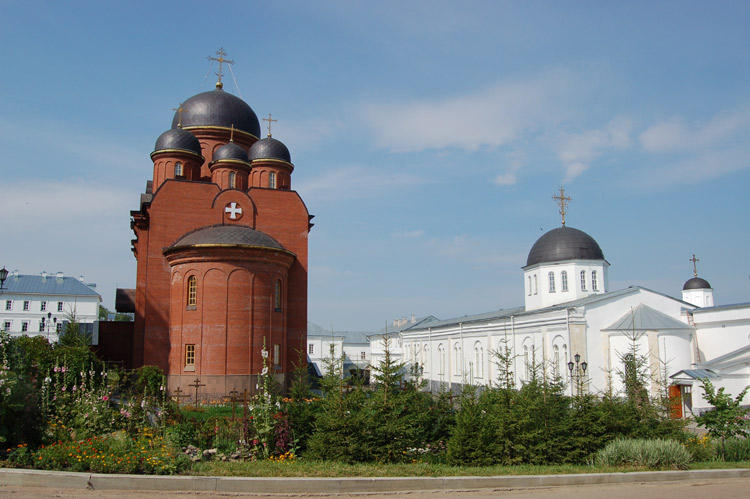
105,398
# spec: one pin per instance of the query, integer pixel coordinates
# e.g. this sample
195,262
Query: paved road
703,489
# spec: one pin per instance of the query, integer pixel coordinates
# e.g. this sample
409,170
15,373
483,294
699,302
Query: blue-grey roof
521,311
230,151
727,356
226,235
49,285
722,307
696,374
270,148
696,283
645,318
349,337
180,139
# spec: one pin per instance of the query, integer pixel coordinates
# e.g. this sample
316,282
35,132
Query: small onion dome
564,243
230,151
179,140
217,108
226,235
270,148
696,283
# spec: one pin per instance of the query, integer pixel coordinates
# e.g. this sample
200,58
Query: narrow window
277,354
190,355
26,304
59,306
536,285
41,326
43,306
311,349
551,282
232,180
556,361
58,327
6,326
272,180
362,355
192,291
24,326
456,363
178,169
277,296
8,304
583,280
529,285
526,365
564,280
594,286
441,355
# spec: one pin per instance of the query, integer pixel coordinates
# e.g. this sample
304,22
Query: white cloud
506,179
353,182
577,151
488,118
407,234
676,135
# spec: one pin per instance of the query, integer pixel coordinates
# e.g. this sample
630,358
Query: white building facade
42,304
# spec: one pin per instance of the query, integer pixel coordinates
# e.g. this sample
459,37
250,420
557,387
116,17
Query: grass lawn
309,468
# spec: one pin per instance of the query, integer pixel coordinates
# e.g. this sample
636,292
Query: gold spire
231,134
179,115
221,61
562,200
695,268
269,120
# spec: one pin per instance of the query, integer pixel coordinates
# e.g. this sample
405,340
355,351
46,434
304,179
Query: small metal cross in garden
233,399
179,395
197,384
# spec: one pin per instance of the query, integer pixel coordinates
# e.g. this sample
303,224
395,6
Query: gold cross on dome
695,267
269,120
562,201
179,110
221,61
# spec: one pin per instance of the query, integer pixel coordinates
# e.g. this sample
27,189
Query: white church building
571,319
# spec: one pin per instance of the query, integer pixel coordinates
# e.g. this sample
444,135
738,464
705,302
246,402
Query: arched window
564,280
536,287
178,169
192,291
272,180
556,361
551,282
594,286
529,285
456,361
526,364
583,280
425,357
441,359
478,360
277,296
232,180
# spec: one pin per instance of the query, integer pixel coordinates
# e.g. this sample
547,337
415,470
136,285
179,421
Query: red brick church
221,245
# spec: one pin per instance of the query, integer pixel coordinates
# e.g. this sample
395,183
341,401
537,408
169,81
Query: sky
428,138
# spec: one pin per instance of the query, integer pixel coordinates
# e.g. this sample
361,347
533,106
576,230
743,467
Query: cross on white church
234,211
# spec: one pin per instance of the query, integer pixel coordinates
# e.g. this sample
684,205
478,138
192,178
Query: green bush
641,453
737,449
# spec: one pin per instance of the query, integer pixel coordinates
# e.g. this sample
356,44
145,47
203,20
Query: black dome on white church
217,108
696,283
270,148
564,243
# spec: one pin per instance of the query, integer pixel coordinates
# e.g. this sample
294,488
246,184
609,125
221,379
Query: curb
67,480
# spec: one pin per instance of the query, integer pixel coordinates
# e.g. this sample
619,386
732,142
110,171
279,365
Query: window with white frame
43,306
24,326
583,280
277,354
594,285
26,305
272,180
8,304
59,306
556,361
564,281
232,180
456,360
526,364
529,285
441,359
41,326
7,325
178,169
536,285
362,355
551,282
311,349
478,360
58,327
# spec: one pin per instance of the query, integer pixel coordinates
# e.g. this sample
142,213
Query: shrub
701,448
641,453
736,449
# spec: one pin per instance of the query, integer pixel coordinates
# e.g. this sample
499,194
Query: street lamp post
3,277
578,372
47,323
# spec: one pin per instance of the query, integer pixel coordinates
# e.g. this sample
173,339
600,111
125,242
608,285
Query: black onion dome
696,283
226,235
230,151
564,243
270,148
179,139
217,108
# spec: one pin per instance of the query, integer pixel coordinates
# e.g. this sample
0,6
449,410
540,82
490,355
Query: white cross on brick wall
234,211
